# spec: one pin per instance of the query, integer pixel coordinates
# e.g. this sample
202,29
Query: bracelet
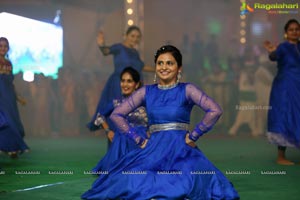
137,139
194,136
99,119
143,142
140,141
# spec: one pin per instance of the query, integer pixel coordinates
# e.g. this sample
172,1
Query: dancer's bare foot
282,161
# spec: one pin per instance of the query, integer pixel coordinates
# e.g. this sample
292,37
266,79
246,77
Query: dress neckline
167,87
130,48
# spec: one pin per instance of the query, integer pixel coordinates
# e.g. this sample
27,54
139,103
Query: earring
178,77
154,80
285,36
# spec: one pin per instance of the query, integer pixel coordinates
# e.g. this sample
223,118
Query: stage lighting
35,46
28,76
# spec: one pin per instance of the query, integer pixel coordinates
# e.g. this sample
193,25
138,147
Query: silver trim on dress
168,126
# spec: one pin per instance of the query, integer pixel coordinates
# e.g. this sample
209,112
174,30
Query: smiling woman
168,67
283,118
169,158
129,82
124,54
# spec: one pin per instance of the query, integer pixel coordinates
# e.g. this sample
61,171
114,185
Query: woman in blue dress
124,55
121,145
168,165
283,115
11,128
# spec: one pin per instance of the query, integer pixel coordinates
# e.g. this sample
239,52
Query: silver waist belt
168,126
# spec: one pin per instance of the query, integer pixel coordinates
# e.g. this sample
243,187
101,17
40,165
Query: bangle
195,134
140,141
143,142
135,137
99,119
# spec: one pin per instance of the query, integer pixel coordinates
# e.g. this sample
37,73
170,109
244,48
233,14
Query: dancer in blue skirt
168,165
124,54
121,145
283,115
11,127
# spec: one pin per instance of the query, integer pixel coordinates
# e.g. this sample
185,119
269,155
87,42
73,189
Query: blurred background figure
263,78
124,54
68,93
11,127
247,97
283,117
43,95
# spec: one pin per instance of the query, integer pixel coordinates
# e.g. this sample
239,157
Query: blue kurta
283,115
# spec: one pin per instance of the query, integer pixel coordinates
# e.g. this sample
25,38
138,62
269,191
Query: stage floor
58,168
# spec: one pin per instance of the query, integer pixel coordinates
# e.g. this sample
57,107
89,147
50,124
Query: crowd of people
144,123
168,105
63,96
65,102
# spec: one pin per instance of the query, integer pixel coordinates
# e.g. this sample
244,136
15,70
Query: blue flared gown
167,168
11,134
121,144
283,114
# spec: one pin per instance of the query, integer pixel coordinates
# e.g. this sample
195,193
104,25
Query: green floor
245,161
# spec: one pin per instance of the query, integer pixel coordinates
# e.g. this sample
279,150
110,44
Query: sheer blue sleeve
118,116
212,110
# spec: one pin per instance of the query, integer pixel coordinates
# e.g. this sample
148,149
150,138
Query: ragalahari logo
245,8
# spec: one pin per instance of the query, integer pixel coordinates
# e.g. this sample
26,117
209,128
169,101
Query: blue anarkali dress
167,168
121,144
283,114
11,128
123,57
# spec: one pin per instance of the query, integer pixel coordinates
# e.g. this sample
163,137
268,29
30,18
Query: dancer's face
293,32
167,69
128,86
3,48
133,38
